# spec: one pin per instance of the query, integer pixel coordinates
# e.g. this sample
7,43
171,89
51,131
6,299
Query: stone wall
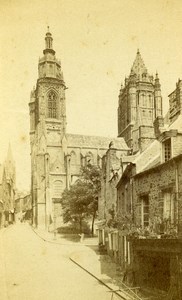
152,183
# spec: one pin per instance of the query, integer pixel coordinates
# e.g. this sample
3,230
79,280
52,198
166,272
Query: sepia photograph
91,150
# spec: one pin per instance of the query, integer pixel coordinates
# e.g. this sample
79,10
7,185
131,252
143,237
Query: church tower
47,128
140,102
57,156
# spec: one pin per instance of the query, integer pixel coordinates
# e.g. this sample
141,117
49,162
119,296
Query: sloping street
32,269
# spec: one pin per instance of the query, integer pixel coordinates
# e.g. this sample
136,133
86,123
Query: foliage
160,228
81,200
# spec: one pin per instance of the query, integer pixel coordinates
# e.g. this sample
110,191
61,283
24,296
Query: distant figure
81,237
111,144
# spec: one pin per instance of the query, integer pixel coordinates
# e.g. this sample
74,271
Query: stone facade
56,156
157,208
23,206
111,163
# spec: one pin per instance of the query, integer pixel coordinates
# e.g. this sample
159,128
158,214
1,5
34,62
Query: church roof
139,66
78,140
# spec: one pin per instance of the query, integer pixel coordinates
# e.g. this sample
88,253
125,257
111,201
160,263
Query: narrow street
32,269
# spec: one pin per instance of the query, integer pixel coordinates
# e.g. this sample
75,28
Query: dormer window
167,149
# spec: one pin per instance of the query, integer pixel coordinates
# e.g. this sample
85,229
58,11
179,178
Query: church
57,156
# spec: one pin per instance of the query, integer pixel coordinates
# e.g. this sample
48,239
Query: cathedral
57,156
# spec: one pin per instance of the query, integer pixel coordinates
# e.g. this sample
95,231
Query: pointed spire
9,154
121,88
157,82
138,66
9,164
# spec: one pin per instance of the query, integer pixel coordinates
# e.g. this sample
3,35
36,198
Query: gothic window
52,105
73,158
150,101
89,158
57,189
144,100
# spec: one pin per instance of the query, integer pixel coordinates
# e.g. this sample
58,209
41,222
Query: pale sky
97,41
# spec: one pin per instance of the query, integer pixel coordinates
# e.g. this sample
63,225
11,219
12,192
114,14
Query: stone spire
9,154
9,164
157,82
138,66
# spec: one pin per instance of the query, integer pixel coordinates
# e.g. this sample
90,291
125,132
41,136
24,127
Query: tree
92,175
81,200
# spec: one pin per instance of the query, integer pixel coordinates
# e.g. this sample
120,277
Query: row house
7,190
23,206
149,210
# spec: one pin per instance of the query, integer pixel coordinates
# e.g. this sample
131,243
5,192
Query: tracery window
52,105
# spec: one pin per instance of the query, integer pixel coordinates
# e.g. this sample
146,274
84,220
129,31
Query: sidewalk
87,257
65,239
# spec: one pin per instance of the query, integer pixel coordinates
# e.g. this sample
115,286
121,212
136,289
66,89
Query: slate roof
77,140
149,158
138,65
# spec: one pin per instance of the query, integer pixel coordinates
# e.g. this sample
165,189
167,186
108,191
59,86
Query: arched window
150,101
144,100
89,158
73,158
57,189
52,105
